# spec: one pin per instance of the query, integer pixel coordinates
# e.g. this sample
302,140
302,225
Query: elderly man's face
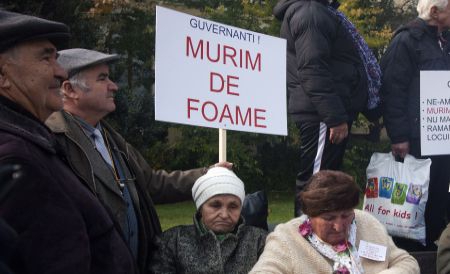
98,100
221,213
443,18
32,77
333,227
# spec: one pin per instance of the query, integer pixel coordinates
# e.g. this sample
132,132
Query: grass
281,209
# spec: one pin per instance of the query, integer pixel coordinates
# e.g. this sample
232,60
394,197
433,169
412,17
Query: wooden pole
222,145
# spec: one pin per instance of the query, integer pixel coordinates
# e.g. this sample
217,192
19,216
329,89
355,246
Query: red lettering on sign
258,117
234,114
225,54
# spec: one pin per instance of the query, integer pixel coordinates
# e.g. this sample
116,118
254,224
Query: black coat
414,47
61,226
326,79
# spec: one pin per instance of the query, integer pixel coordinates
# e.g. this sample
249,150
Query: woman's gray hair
78,80
424,7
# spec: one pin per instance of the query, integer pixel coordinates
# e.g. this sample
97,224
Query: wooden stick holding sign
222,145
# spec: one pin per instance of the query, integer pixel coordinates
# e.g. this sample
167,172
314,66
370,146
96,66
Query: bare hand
338,133
400,149
223,164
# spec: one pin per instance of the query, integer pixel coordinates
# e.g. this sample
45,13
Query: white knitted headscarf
218,180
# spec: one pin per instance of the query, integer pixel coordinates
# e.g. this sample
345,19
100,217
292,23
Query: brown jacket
148,187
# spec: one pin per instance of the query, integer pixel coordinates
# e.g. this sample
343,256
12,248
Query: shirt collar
88,128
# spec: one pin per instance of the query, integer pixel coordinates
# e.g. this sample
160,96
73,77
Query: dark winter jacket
146,185
326,79
61,226
9,176
414,47
187,249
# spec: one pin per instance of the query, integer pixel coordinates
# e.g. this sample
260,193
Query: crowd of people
76,197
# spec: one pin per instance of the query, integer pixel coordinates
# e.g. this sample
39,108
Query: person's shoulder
366,220
403,36
445,234
57,122
16,147
414,29
290,226
312,10
363,215
177,231
257,231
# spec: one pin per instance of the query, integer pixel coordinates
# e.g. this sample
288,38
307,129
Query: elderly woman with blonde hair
332,236
218,241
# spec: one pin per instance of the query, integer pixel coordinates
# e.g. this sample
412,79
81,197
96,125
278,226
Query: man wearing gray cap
61,226
114,170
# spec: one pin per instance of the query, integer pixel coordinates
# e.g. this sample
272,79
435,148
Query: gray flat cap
16,28
76,60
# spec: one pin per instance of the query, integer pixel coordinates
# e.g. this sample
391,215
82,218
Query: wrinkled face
98,100
333,227
442,17
221,213
32,77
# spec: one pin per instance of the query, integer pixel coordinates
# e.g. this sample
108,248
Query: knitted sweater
286,251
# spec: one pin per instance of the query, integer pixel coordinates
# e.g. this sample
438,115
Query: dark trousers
436,211
316,153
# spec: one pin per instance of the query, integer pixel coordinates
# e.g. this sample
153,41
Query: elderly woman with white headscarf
218,241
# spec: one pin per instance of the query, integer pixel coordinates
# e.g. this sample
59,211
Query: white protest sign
214,75
435,112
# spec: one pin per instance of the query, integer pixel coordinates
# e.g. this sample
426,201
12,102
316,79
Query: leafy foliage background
127,27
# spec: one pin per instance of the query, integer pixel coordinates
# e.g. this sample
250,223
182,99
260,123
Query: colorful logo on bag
414,194
399,193
386,187
372,188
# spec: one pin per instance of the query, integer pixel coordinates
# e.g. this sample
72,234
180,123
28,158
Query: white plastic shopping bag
396,194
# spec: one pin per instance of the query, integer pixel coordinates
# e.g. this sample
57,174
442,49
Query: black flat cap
16,28
75,60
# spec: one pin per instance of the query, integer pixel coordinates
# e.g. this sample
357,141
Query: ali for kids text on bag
396,194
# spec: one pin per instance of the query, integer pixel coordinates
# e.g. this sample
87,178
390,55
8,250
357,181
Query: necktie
100,145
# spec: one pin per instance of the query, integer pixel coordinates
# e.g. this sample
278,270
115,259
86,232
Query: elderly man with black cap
61,226
114,170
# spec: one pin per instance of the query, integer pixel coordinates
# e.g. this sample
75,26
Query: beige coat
443,252
286,251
